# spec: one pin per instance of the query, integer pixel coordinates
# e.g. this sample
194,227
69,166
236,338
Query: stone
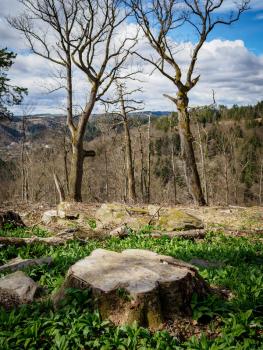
135,217
16,289
10,218
172,219
121,232
136,285
49,216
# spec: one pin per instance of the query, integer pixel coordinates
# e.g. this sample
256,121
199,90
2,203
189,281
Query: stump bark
136,285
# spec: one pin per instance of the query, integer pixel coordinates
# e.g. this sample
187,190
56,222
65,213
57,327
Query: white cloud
228,67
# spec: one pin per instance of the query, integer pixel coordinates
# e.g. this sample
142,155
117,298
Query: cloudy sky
230,63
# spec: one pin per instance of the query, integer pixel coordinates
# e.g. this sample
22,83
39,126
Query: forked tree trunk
78,152
187,151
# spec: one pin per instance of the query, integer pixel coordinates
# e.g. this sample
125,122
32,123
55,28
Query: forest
125,224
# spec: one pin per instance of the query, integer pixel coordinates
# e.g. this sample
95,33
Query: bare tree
84,32
158,20
149,161
125,106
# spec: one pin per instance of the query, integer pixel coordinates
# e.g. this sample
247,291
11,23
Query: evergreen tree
10,95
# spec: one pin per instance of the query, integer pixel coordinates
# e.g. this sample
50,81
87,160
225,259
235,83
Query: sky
230,63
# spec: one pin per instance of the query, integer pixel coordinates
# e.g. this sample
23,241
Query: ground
230,318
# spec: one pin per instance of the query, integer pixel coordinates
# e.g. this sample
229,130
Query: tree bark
260,184
149,162
59,188
76,171
187,150
129,164
78,153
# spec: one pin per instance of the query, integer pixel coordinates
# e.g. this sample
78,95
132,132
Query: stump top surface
138,271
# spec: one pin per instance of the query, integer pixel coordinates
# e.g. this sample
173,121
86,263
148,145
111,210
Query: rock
121,232
55,214
68,210
136,285
19,263
17,288
172,219
206,263
49,216
113,214
169,219
10,218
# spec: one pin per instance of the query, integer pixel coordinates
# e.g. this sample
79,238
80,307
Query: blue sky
249,29
230,63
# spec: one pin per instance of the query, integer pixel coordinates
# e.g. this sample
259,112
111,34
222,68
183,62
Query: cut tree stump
17,288
136,285
19,263
12,218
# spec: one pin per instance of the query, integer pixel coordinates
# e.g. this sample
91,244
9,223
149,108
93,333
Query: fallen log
238,232
19,263
188,234
18,241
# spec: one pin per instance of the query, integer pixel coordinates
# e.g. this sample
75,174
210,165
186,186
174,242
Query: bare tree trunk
226,180
76,171
59,188
131,195
65,158
106,174
260,184
149,162
78,153
173,164
187,151
25,194
142,167
203,163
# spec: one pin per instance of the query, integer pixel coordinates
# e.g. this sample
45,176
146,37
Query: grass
9,231
77,326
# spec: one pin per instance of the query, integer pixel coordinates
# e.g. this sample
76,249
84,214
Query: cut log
10,218
136,285
17,288
19,263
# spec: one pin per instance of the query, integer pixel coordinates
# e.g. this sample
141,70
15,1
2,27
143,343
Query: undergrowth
77,326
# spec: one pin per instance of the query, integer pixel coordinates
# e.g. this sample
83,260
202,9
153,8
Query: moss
176,219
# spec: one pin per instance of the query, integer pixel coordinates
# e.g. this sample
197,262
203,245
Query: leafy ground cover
9,231
233,323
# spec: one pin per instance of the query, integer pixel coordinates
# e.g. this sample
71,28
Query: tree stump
16,289
12,218
136,285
